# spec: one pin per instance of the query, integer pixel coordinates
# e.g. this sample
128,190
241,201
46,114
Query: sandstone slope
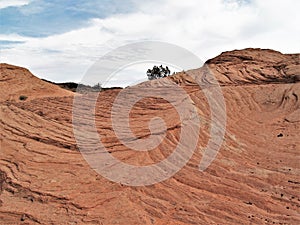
253,180
17,81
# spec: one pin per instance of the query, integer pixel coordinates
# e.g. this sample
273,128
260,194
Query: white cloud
13,37
204,27
15,3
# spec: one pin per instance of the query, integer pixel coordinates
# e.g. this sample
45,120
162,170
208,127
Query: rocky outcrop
255,66
17,81
253,180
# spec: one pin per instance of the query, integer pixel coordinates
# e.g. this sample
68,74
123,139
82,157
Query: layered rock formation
254,179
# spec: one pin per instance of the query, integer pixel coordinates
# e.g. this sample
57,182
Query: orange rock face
254,179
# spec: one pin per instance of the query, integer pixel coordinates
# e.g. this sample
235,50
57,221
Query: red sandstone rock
253,180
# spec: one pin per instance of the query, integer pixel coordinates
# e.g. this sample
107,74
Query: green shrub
158,72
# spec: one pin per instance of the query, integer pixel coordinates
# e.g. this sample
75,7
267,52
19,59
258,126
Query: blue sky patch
47,17
4,44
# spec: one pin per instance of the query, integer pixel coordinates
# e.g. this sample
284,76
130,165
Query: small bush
158,72
23,97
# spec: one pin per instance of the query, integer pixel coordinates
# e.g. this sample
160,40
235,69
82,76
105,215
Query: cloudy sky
60,39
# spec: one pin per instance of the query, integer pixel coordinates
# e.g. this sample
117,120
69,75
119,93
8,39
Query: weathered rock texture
254,179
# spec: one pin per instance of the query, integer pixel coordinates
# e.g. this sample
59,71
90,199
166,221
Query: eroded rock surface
254,179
